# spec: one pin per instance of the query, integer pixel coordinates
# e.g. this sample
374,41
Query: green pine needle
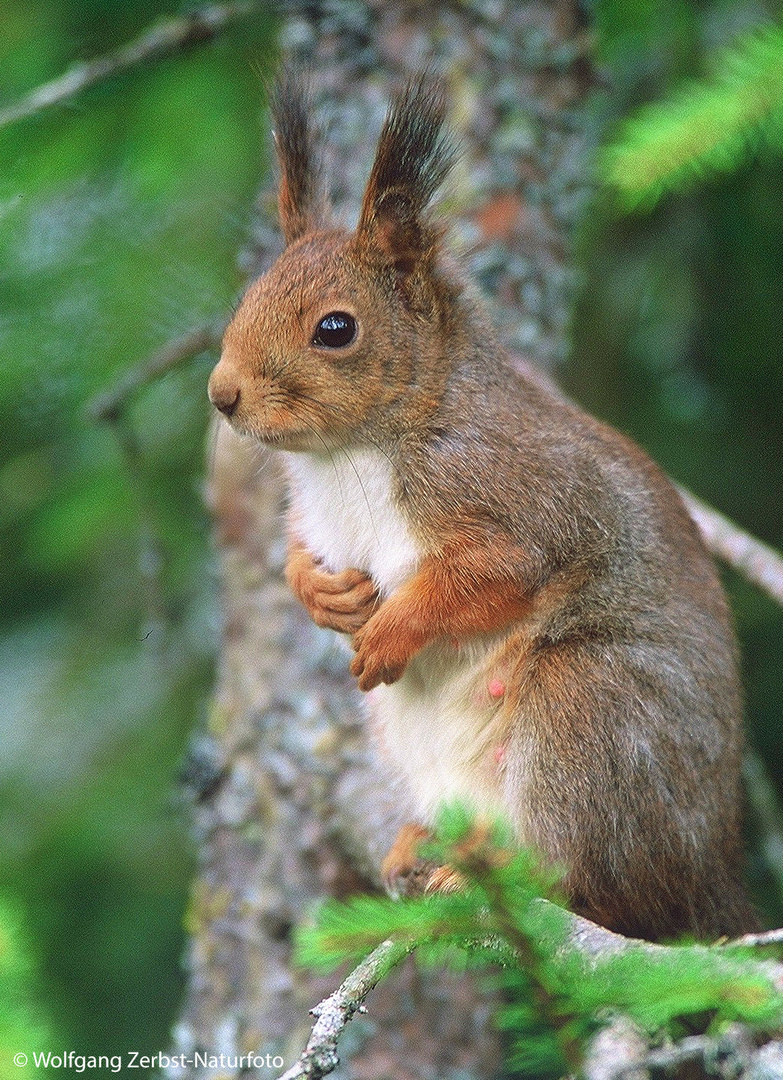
351,929
711,125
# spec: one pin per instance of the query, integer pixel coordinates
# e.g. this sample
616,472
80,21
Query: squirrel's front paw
341,602
381,653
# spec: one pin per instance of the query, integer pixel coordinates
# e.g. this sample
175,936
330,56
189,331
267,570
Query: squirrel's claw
406,873
403,871
371,671
380,657
444,879
385,646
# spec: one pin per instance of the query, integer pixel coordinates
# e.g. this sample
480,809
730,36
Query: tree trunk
293,804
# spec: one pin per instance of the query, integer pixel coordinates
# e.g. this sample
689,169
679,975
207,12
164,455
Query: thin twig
756,561
668,1058
110,404
731,1047
765,937
728,1053
161,39
333,1013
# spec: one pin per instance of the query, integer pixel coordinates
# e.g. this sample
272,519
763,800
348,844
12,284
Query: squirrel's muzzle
224,390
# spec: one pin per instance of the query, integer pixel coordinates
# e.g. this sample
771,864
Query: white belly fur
343,508
436,722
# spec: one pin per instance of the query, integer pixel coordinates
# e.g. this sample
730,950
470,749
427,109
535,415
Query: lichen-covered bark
293,804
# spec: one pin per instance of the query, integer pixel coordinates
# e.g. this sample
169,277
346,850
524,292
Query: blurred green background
121,216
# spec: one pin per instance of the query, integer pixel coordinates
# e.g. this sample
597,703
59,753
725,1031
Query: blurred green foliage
23,1023
712,124
121,215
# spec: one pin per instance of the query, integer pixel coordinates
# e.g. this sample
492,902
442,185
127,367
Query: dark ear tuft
300,199
413,158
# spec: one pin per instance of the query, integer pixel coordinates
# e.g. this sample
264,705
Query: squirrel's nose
224,392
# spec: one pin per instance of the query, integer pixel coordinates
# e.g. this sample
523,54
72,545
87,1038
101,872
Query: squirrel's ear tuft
300,200
413,158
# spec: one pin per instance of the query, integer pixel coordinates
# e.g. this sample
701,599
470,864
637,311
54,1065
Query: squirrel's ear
300,199
413,157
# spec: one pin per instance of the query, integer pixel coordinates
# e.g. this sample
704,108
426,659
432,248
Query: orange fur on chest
460,591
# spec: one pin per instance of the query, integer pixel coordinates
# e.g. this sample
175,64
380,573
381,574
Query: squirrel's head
336,339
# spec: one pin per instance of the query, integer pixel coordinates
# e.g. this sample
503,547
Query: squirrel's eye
335,330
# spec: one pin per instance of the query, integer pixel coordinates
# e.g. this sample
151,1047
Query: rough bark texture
293,805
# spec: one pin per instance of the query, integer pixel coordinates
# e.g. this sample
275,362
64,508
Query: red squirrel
537,624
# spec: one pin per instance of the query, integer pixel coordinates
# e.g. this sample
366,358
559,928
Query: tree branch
333,1013
109,404
764,937
162,39
732,1049
756,561
586,939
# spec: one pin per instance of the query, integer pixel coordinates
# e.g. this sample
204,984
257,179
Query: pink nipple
496,688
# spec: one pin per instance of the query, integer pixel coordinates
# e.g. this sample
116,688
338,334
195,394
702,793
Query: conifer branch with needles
563,978
711,125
